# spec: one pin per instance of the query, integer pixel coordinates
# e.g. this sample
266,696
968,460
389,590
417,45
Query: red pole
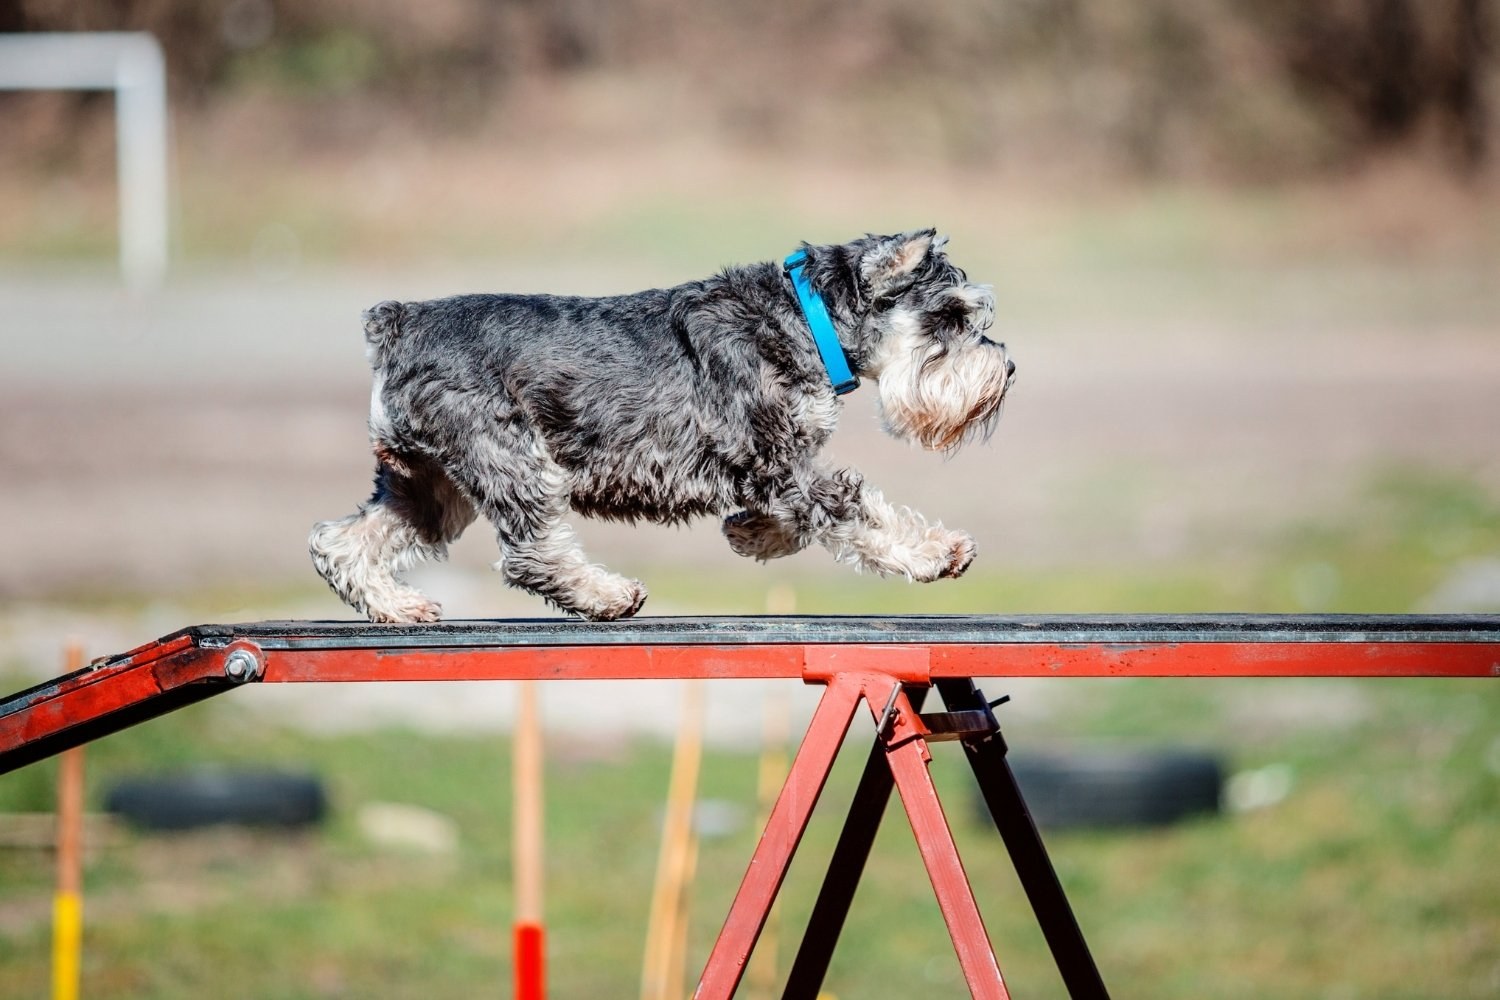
530,948
529,934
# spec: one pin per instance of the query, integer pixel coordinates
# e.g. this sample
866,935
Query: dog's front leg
856,523
763,536
888,539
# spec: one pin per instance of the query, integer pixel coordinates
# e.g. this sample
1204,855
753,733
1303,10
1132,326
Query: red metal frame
158,677
908,757
181,665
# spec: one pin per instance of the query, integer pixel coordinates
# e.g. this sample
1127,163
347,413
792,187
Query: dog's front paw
942,554
406,608
961,552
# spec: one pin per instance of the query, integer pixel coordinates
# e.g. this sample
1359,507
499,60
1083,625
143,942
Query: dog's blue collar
816,313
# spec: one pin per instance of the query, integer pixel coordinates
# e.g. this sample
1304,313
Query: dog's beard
939,396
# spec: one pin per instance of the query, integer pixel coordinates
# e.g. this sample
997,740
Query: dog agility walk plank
195,663
880,660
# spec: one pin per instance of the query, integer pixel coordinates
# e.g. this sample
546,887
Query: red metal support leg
826,922
906,751
1039,879
784,829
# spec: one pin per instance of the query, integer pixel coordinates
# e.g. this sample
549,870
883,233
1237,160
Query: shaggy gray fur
705,398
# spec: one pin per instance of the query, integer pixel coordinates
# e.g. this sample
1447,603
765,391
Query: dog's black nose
1010,367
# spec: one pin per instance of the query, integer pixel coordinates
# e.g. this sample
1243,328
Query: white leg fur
887,539
359,556
554,565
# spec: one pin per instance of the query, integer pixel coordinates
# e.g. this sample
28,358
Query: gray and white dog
707,398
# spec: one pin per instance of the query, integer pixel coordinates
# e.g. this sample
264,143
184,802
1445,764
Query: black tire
192,799
1119,788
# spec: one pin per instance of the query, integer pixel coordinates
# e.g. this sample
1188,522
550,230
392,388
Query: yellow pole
666,930
676,961
67,905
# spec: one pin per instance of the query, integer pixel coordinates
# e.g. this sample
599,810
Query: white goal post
130,64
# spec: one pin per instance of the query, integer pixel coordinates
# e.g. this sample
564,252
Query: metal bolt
241,665
891,717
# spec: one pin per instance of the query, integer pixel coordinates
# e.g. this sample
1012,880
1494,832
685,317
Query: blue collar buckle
815,311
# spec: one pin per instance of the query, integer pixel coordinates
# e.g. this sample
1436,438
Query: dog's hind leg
413,515
525,495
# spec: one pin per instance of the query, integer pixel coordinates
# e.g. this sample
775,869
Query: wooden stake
529,930
676,961
662,973
760,977
774,763
67,904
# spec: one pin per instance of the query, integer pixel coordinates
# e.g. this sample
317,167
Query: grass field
1374,877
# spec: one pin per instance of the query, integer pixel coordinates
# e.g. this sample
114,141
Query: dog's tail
382,327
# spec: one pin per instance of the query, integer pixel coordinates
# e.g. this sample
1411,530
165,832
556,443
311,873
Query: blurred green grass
1374,877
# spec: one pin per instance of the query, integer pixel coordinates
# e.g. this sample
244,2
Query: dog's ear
888,266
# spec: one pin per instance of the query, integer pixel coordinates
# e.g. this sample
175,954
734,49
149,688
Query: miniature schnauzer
712,397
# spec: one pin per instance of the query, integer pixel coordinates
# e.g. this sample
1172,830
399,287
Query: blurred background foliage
1169,88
